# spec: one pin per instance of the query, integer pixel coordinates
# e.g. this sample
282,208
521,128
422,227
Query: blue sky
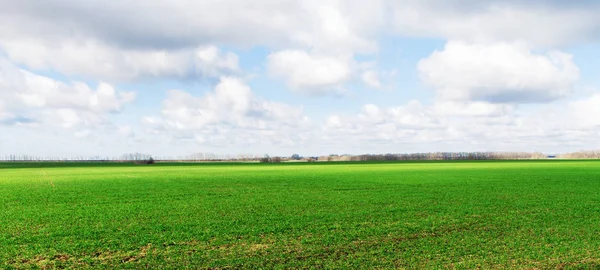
175,78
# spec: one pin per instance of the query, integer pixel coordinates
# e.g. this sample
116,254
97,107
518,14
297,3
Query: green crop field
519,214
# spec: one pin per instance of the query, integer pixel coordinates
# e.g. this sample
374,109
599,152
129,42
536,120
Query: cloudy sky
316,77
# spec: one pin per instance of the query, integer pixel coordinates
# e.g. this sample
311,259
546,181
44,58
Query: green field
520,214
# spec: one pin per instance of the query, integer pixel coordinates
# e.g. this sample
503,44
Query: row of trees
446,156
581,155
46,158
269,159
137,157
143,158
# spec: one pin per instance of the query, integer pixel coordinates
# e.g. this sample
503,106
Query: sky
174,78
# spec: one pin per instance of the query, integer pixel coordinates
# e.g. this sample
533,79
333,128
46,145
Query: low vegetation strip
478,214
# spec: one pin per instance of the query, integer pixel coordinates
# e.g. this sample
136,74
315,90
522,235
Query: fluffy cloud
310,24
311,73
415,122
315,73
230,114
165,24
413,115
374,125
371,78
100,61
130,40
470,126
470,108
540,22
27,98
498,73
586,112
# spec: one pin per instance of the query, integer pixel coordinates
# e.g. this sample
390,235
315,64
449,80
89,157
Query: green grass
525,214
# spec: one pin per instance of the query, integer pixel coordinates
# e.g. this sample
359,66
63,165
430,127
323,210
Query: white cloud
536,22
470,108
309,72
165,23
330,24
415,127
126,131
229,115
412,115
132,40
83,133
586,112
210,61
321,38
35,99
498,73
374,125
371,78
100,61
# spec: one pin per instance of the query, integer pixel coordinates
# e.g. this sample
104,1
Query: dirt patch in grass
43,262
67,260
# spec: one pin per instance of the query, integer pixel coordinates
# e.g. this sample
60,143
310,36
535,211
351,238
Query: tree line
211,157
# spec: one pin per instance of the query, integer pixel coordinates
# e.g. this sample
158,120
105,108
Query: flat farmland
479,214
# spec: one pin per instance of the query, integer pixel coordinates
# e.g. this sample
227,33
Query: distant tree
296,157
265,159
150,161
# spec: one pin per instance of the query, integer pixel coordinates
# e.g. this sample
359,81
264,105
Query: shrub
265,159
145,161
268,159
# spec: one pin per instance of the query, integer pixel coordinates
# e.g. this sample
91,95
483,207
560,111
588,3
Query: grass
520,214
